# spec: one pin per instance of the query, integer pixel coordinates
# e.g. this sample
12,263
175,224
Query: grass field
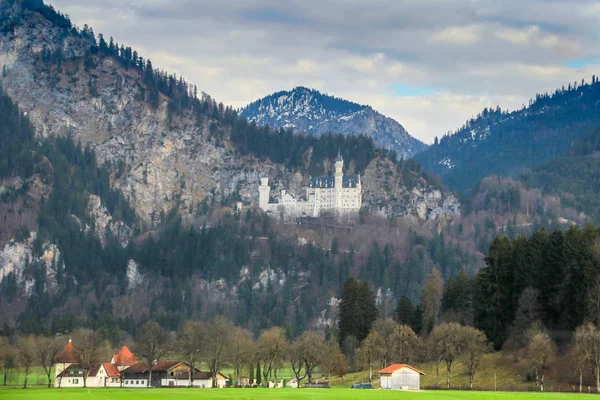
258,394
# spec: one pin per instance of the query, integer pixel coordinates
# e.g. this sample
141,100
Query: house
99,375
169,374
401,376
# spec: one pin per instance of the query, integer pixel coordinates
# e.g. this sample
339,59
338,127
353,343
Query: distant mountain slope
575,178
310,111
500,143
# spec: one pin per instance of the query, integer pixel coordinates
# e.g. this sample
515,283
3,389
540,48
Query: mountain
510,143
121,185
310,111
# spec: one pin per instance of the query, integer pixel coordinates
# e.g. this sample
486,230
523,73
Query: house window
75,381
127,382
137,382
142,382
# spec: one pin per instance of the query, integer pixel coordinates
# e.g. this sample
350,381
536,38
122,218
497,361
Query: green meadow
257,394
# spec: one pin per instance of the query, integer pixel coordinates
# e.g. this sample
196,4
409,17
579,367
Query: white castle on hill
340,194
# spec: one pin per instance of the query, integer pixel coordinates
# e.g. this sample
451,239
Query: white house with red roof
124,370
401,377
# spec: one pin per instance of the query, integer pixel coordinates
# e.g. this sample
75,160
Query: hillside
575,177
134,199
508,144
310,111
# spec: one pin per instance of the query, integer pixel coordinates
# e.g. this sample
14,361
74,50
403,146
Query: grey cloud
475,53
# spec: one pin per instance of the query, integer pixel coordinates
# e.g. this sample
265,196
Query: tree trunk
150,375
370,373
437,374
448,368
191,376
471,379
542,381
580,381
49,378
85,375
598,379
26,376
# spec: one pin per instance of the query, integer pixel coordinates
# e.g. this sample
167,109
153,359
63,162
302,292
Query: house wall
69,382
135,382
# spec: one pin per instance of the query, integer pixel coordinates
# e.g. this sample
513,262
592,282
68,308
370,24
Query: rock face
309,111
104,222
17,257
386,194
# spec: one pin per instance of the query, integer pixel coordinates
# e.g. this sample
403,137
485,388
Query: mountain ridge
499,142
309,111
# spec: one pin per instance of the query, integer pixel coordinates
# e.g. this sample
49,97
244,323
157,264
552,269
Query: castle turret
339,180
264,192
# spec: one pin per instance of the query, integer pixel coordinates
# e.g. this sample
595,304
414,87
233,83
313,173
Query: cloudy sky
430,64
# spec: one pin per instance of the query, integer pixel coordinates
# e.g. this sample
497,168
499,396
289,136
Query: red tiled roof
160,366
68,355
124,357
111,370
396,367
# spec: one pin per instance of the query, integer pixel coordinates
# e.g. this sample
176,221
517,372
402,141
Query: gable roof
124,357
68,355
111,370
395,367
160,366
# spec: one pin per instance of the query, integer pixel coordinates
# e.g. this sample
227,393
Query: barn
401,376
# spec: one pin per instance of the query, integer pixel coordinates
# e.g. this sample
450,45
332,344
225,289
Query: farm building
169,374
401,376
124,370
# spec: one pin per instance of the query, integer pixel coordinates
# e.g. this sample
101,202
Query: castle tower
339,180
264,192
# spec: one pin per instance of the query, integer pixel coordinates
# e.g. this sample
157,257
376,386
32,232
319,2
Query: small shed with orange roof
401,376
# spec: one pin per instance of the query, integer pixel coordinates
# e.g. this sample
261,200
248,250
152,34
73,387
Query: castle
340,194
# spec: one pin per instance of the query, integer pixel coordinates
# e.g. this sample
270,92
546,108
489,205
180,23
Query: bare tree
329,358
588,337
272,346
242,350
152,344
369,351
340,368
406,343
189,341
26,348
578,357
295,356
8,359
387,329
541,351
88,350
475,345
312,346
216,344
47,348
448,340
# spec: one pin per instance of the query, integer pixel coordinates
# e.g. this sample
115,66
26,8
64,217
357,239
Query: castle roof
348,181
68,355
124,357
